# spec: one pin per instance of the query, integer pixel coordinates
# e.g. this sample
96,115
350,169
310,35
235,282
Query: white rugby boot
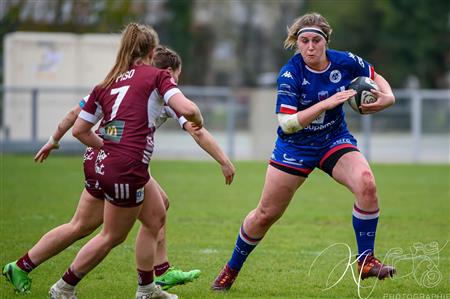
153,291
62,290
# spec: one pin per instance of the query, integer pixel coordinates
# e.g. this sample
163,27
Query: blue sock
365,226
244,245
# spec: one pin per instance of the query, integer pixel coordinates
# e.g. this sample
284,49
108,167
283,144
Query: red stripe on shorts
333,150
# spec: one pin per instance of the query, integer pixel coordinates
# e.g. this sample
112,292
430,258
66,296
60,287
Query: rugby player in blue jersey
312,133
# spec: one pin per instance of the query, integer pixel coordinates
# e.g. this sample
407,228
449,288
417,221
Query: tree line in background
402,38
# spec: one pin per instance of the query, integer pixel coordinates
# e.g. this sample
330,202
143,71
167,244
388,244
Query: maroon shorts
91,182
120,179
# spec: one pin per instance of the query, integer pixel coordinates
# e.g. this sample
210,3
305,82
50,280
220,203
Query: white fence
416,129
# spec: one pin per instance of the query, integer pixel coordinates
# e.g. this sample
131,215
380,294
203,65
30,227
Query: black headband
314,30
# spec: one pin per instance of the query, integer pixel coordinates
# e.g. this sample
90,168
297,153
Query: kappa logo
305,82
287,74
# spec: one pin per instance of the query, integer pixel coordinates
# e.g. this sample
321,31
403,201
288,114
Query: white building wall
51,60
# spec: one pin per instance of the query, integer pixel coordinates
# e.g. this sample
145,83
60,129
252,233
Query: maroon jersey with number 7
130,105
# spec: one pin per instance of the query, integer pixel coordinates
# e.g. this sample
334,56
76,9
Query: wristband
53,142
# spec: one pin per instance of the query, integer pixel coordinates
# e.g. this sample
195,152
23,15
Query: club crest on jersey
287,74
322,95
335,76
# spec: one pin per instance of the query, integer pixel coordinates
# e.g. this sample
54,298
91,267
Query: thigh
279,188
118,221
89,211
350,169
153,211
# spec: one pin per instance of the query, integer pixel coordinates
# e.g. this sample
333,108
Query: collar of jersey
318,72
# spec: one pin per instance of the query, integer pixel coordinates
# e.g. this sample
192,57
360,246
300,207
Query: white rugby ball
362,86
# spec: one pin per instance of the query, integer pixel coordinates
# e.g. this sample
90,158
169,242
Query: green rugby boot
17,277
174,276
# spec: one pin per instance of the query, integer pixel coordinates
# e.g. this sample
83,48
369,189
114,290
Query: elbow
289,123
190,111
77,132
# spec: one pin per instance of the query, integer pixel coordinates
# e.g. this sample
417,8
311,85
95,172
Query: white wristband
53,142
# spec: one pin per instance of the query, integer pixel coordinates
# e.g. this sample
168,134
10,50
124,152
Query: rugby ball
362,86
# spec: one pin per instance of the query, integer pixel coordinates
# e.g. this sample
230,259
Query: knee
81,229
161,221
155,224
265,218
112,240
166,202
368,188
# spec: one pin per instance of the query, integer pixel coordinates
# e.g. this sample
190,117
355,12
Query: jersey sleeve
83,101
166,85
91,111
168,112
288,92
361,67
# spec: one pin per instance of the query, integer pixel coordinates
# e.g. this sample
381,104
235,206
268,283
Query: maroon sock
145,277
162,268
71,278
25,263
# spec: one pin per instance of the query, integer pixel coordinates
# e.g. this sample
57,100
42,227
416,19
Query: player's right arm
289,118
53,143
187,108
176,100
207,142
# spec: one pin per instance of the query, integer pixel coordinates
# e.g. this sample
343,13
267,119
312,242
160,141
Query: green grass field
204,219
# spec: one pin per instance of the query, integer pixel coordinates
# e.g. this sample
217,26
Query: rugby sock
161,268
145,277
25,263
70,278
365,226
147,288
244,245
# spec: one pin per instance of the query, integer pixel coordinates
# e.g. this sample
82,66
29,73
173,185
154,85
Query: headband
313,30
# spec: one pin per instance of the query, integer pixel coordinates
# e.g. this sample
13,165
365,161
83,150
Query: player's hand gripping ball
362,86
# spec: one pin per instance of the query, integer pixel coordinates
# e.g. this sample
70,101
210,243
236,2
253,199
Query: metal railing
210,97
222,95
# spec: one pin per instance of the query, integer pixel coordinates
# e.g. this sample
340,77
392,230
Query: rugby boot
174,276
61,291
370,266
225,279
153,291
17,277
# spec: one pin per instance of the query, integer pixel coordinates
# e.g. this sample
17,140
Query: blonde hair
137,42
307,20
165,57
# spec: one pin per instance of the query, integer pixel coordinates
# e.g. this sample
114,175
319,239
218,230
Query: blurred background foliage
239,42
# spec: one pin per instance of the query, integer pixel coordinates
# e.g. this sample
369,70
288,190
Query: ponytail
137,42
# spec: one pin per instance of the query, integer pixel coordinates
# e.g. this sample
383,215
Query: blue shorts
301,160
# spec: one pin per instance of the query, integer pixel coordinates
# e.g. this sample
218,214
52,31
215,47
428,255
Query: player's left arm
82,131
207,142
385,96
53,143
